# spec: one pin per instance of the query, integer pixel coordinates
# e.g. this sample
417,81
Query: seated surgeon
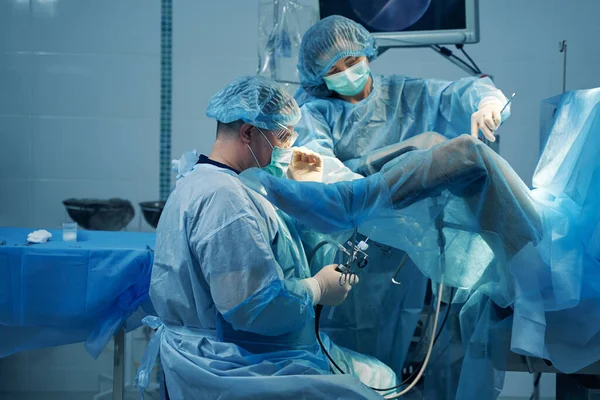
231,283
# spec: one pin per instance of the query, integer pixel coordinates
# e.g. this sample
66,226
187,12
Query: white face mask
350,81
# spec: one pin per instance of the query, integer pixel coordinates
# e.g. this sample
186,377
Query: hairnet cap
256,100
326,42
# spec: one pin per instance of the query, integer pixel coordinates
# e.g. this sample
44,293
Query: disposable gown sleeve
247,283
339,207
456,101
314,132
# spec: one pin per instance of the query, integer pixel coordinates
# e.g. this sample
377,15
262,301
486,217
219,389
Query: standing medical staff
352,114
348,112
231,284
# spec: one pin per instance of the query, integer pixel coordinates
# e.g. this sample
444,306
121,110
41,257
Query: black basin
152,211
100,215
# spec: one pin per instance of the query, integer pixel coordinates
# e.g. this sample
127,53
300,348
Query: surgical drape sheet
66,292
534,250
467,183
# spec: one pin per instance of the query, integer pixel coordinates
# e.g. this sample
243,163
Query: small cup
69,232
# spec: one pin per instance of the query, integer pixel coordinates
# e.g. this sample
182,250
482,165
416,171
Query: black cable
319,309
437,336
424,328
448,307
461,48
536,383
314,251
422,343
463,62
448,53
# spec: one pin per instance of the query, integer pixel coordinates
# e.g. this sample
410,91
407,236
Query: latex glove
306,166
487,118
325,286
41,236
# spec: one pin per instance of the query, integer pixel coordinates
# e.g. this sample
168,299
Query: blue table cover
66,292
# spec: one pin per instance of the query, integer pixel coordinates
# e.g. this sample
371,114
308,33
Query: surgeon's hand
306,166
332,293
487,118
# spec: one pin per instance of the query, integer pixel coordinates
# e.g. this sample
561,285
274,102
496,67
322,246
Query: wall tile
95,148
96,86
96,26
15,203
197,79
16,84
208,29
15,26
15,148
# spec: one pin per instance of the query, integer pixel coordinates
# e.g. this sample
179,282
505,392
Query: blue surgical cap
326,42
256,100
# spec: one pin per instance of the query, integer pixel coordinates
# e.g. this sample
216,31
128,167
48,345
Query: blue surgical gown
236,322
398,108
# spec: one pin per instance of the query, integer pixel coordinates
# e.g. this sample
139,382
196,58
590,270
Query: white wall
80,90
79,103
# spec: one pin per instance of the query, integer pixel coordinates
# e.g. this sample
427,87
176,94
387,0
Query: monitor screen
426,21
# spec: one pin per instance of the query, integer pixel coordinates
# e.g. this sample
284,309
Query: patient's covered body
471,171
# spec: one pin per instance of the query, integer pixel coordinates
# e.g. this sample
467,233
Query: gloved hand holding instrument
488,117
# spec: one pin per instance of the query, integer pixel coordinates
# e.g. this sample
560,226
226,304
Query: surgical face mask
280,159
350,81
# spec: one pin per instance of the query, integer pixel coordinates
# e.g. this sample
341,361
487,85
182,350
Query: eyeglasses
285,136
